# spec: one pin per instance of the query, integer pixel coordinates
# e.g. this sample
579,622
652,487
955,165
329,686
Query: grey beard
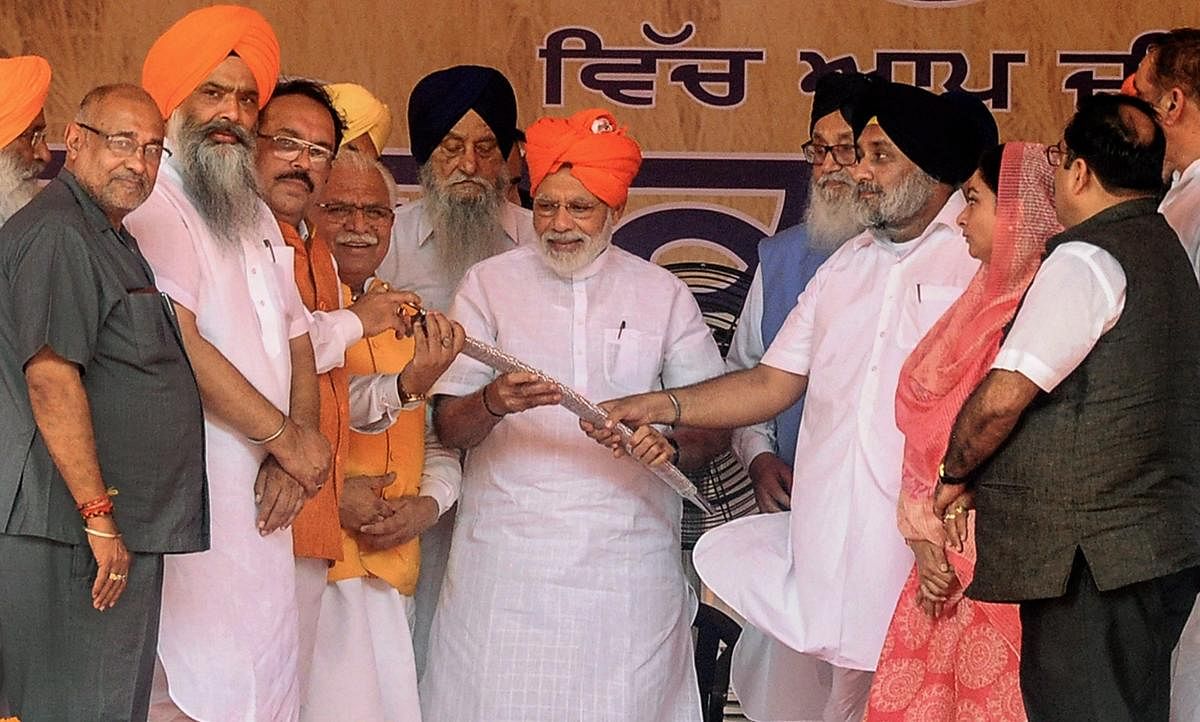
218,178
465,230
18,186
897,207
830,220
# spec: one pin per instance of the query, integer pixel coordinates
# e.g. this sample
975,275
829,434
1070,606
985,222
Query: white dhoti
363,668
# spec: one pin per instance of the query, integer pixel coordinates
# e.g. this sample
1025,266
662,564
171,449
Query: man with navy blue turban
462,123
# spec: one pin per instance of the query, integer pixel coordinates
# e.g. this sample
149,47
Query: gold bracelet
101,534
272,437
678,410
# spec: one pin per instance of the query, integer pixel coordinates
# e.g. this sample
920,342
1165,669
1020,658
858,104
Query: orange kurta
400,449
317,532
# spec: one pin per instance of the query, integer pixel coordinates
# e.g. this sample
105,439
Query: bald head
114,147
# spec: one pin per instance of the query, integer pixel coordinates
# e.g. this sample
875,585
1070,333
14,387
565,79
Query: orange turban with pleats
181,58
24,83
601,156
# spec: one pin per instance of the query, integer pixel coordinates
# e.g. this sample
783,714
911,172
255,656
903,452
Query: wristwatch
943,478
405,397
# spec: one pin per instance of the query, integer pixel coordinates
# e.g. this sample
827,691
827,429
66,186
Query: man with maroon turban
24,83
228,643
565,596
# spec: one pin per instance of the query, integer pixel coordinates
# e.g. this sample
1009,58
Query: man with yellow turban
24,83
228,641
565,596
368,119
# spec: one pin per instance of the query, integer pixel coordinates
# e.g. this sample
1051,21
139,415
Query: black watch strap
944,478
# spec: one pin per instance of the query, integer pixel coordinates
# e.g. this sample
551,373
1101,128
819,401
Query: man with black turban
462,123
826,577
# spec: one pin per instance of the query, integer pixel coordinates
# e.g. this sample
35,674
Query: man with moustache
102,470
773,681
24,84
565,596
826,576
461,125
299,128
363,667
228,644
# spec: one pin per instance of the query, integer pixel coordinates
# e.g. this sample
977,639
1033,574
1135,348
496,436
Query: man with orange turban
24,83
565,596
228,642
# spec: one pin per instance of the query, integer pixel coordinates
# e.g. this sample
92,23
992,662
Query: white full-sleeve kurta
830,587
564,597
228,635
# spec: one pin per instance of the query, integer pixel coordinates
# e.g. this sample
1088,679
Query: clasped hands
938,583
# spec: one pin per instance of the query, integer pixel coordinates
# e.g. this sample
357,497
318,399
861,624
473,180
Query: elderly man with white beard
826,576
228,643
24,84
461,126
565,596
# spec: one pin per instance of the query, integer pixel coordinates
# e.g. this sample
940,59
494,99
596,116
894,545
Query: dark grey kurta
69,281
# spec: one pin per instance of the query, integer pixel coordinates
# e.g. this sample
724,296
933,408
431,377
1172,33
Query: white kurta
228,633
1181,207
564,597
830,588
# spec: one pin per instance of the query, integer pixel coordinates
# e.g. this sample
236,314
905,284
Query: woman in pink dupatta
946,657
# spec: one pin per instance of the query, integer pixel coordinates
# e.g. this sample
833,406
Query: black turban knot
837,91
943,134
443,97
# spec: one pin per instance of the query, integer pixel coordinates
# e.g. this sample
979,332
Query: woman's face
978,219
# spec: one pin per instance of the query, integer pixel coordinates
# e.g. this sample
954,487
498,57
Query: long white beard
219,178
466,229
830,219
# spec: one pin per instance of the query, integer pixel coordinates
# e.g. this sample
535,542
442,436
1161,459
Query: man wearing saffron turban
228,642
826,575
461,125
565,596
24,83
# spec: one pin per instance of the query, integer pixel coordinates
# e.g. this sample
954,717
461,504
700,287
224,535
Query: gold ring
114,577
949,516
446,343
960,509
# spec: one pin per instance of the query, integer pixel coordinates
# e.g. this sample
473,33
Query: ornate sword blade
574,402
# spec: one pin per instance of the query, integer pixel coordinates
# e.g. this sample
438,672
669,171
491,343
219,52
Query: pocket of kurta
923,305
632,359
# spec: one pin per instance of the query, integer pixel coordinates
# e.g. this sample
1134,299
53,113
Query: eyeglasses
123,146
576,209
34,137
843,154
342,212
1055,153
285,147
